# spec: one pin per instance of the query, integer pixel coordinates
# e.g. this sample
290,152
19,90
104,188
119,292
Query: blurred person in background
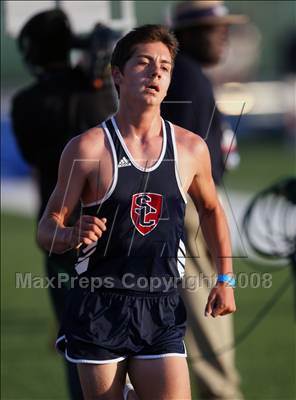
62,102
201,28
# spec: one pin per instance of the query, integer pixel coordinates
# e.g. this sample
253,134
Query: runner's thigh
102,381
160,379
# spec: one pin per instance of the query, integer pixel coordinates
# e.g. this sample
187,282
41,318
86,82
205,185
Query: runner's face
147,74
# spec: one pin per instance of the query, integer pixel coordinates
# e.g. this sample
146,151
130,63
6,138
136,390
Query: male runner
132,232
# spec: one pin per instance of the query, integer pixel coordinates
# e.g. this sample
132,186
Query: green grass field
31,369
262,163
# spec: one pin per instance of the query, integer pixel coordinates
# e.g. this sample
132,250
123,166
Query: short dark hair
125,47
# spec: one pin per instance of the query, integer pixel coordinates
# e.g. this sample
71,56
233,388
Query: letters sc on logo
146,210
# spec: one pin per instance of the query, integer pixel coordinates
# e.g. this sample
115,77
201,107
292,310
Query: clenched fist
87,230
221,301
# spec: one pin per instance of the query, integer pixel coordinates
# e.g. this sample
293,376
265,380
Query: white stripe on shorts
154,356
83,361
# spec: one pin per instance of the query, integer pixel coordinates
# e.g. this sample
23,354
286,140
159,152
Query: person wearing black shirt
201,28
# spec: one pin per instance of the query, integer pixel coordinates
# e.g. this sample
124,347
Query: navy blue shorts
111,325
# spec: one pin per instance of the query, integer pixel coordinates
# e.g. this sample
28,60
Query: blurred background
255,88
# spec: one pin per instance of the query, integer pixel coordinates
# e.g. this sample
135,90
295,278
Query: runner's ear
117,75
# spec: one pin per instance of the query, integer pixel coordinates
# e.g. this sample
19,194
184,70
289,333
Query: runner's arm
53,234
215,230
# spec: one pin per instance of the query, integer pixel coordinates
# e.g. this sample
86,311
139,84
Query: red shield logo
145,211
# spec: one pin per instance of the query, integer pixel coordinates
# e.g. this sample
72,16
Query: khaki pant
214,373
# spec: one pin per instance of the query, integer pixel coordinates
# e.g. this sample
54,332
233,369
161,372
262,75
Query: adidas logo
124,162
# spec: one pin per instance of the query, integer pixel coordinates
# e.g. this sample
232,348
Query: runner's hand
87,230
220,301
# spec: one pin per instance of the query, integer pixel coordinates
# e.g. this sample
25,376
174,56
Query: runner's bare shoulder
189,142
88,146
